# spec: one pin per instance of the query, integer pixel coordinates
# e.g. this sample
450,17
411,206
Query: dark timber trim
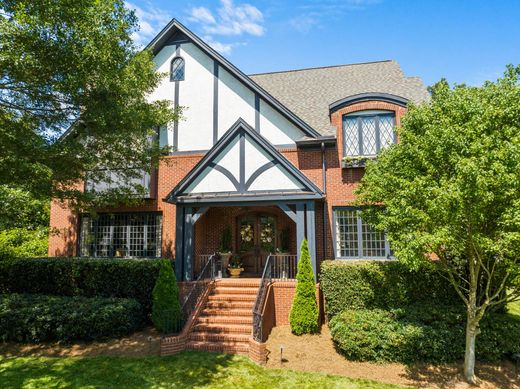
227,173
257,112
215,101
176,103
386,97
257,173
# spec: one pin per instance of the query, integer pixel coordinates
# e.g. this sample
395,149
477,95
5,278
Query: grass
185,370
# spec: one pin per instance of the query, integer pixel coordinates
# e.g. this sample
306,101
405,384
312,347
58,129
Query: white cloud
303,23
202,15
223,48
311,13
151,21
228,19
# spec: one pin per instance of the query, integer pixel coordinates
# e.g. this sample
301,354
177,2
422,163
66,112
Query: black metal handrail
260,299
280,267
199,286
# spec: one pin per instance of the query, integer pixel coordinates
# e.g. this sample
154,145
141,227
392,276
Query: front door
256,240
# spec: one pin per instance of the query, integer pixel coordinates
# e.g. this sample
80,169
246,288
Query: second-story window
365,133
177,69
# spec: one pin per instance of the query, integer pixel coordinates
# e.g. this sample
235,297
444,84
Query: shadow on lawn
183,370
505,376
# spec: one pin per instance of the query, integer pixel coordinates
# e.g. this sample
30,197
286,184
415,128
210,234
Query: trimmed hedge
127,278
421,333
38,318
166,308
388,284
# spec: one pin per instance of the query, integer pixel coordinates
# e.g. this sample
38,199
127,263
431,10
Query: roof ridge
321,67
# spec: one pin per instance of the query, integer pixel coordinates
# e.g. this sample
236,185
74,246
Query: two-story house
273,158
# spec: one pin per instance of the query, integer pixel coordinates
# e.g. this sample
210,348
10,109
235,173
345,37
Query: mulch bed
317,353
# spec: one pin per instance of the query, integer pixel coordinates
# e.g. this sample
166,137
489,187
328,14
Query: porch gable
243,165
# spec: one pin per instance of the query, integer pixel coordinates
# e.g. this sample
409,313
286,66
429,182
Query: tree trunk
469,356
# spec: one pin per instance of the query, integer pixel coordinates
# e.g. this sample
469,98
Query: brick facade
341,183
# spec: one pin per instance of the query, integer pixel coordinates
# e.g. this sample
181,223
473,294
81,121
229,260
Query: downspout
324,173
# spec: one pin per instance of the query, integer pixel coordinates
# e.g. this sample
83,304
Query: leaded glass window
121,235
355,238
365,133
177,69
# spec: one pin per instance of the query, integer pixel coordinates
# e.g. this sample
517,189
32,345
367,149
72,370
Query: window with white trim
365,133
355,238
177,69
121,235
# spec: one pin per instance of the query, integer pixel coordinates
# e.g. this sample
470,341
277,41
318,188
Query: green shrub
304,311
128,278
388,284
38,318
166,309
421,333
21,242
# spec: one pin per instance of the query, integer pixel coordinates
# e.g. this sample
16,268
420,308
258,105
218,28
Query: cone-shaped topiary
166,309
304,310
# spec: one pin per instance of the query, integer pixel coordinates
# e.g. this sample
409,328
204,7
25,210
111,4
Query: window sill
357,162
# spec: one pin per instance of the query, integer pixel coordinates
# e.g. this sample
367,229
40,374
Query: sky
464,41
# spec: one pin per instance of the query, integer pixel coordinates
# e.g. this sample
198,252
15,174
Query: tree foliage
166,308
451,189
73,65
24,223
304,311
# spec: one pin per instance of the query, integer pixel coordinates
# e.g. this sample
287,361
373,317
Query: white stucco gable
243,164
215,94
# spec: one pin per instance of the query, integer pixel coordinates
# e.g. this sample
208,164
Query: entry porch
245,235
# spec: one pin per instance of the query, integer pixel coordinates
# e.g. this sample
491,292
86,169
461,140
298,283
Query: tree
166,308
304,311
72,65
450,190
24,224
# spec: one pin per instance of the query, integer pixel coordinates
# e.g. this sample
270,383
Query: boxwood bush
427,333
128,278
37,318
374,284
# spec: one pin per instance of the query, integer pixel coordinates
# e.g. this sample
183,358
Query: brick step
235,290
226,312
223,328
251,283
232,297
213,337
229,348
220,319
241,305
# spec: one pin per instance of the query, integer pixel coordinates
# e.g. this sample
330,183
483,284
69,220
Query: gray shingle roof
308,92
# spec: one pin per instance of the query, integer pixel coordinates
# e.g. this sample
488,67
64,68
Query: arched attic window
177,69
366,132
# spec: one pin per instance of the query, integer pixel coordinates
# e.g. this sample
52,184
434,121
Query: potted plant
235,267
225,247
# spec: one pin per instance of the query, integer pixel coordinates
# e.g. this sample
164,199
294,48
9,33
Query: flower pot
225,259
234,272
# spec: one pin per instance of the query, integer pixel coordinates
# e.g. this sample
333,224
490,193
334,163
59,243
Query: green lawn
186,370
